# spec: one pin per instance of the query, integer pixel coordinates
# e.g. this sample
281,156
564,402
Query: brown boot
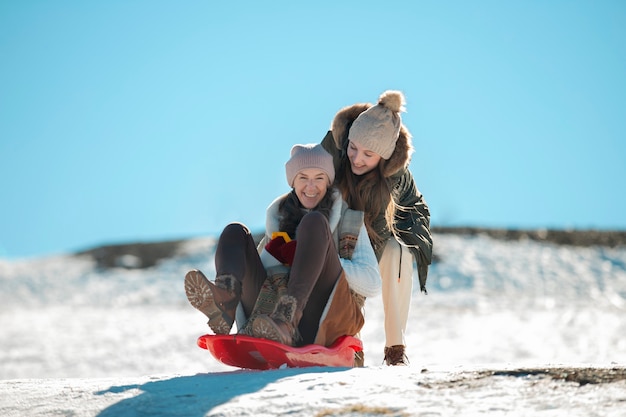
280,326
359,359
218,301
395,356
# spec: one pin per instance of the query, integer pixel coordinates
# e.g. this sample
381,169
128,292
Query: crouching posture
307,280
372,150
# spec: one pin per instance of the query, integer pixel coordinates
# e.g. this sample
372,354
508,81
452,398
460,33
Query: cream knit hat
378,127
309,156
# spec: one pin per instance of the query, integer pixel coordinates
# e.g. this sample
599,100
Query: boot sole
200,296
265,328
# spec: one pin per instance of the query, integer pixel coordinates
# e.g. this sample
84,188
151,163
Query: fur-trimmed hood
401,156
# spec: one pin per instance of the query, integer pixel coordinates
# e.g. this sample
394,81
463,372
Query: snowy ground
83,342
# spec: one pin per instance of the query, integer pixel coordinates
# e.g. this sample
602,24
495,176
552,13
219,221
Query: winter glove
274,248
281,247
288,250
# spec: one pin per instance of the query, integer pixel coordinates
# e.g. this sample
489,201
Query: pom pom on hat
309,156
393,100
378,127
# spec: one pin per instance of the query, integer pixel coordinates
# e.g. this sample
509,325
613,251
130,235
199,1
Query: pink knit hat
309,156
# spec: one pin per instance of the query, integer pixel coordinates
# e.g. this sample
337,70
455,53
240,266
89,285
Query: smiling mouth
310,196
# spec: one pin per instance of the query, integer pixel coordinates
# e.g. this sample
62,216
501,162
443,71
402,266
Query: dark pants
313,274
236,255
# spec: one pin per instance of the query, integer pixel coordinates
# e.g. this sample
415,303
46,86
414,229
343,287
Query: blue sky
127,121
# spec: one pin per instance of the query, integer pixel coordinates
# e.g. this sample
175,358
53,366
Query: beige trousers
396,270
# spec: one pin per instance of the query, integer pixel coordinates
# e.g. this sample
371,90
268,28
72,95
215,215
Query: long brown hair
370,193
292,211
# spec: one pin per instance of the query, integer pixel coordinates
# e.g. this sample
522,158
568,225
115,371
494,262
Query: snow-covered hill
78,339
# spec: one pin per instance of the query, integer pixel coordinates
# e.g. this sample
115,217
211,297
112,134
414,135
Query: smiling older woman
308,278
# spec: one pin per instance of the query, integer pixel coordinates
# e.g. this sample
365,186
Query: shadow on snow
198,394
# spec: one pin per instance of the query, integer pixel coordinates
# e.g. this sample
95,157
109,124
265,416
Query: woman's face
311,185
362,160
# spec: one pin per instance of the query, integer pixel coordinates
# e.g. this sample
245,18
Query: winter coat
412,223
360,278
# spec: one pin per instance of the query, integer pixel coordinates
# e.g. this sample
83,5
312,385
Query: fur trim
228,282
279,326
342,123
340,126
285,309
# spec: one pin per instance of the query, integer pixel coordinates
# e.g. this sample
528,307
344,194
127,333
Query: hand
274,247
281,250
288,250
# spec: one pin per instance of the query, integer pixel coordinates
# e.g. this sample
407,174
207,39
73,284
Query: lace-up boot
282,325
218,301
395,356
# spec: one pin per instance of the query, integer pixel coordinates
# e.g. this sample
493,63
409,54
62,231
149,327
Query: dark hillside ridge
591,237
147,254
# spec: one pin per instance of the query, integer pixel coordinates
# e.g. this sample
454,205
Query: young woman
307,279
371,149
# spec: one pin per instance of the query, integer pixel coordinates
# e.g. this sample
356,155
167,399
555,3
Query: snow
77,340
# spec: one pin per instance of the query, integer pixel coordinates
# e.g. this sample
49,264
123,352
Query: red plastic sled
255,353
